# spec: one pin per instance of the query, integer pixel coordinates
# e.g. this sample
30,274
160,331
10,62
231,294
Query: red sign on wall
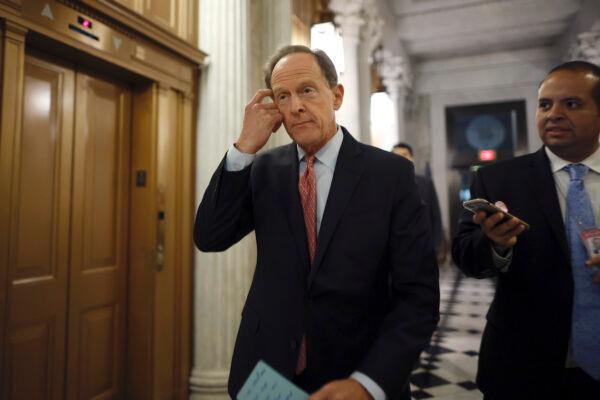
487,155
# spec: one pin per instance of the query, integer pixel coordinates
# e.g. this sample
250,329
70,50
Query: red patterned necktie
308,197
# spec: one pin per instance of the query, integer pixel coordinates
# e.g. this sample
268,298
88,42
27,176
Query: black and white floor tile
447,367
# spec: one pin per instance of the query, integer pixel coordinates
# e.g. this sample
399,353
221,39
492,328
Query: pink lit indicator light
86,23
487,155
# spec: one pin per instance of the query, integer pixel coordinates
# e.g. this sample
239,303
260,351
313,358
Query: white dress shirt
325,161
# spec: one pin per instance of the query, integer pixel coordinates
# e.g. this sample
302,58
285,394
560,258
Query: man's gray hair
325,63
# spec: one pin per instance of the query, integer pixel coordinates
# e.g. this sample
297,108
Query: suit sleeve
414,288
471,249
224,216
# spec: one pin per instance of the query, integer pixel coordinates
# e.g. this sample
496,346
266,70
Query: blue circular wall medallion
485,132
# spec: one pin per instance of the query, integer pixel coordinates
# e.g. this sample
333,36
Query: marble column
228,33
275,22
221,280
371,35
348,16
393,71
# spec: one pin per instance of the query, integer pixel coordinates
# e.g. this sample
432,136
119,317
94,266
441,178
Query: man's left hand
595,262
346,389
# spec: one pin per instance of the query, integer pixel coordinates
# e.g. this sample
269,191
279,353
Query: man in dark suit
345,293
428,194
541,340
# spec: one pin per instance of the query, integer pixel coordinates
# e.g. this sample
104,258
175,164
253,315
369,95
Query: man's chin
302,129
301,135
557,142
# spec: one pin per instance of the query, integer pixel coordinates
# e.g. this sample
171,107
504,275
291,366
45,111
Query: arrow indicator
117,42
47,12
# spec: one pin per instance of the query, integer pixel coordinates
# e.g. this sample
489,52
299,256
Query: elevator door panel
67,275
39,240
99,240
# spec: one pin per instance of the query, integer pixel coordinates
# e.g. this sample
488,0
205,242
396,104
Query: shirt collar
328,153
557,163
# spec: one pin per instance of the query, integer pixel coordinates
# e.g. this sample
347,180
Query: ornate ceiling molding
587,46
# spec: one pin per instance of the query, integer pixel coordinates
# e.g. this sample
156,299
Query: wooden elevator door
65,335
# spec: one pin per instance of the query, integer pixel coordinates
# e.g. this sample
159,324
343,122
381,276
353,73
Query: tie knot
310,159
576,171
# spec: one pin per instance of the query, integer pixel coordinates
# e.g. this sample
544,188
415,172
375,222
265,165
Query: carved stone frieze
587,47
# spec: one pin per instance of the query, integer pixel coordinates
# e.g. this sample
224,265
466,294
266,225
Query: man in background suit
428,194
345,292
542,337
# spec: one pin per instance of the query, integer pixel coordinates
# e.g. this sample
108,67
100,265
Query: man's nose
555,112
297,104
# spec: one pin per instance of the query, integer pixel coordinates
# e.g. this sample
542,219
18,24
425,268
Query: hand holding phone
477,205
502,229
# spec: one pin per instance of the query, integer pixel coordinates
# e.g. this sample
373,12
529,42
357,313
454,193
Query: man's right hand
260,121
503,235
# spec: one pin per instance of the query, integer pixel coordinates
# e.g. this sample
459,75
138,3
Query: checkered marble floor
447,367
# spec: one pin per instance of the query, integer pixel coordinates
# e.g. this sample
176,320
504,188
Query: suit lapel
348,170
290,198
545,188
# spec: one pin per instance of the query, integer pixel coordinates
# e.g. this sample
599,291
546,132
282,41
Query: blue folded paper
264,383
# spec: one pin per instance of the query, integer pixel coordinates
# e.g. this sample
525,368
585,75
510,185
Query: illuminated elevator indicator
86,23
83,32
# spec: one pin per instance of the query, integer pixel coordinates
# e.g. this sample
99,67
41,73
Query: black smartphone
477,205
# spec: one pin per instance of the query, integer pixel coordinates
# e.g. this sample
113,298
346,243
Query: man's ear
338,96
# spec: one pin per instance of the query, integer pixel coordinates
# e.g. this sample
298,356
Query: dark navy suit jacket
524,345
369,302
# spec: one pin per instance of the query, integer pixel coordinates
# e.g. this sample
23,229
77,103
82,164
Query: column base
209,385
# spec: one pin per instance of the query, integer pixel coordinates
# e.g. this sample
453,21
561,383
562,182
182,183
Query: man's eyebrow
278,89
304,83
569,98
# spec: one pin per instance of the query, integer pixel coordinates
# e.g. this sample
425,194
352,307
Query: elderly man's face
306,101
567,117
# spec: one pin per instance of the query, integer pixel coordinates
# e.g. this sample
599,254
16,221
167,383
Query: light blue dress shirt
325,160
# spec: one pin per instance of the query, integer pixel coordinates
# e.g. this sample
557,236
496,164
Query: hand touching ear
260,121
